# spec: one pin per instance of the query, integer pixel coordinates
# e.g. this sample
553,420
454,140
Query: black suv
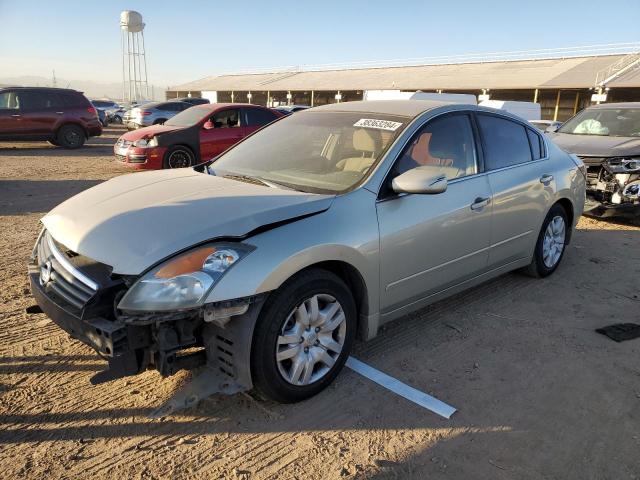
62,116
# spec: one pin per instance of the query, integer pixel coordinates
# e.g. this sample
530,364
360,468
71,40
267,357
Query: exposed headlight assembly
632,189
144,142
623,165
183,281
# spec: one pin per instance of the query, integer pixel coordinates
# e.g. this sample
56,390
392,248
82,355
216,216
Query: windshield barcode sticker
379,124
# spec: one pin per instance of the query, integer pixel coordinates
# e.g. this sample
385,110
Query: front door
431,242
223,130
11,123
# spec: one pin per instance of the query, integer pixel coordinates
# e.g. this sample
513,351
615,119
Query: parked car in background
153,113
546,126
607,139
106,105
289,109
102,116
61,116
116,116
266,264
197,134
193,100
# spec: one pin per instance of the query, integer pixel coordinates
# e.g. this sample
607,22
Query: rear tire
160,121
551,243
289,362
117,119
70,136
178,157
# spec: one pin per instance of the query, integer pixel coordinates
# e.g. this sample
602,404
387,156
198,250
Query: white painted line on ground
402,389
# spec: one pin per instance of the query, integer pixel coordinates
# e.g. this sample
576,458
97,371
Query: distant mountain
112,90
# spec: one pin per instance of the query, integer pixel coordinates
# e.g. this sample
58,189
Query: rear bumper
94,130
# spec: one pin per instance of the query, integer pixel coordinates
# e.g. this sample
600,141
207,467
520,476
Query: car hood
597,145
148,132
134,221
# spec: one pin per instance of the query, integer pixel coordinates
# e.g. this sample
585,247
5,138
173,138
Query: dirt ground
540,394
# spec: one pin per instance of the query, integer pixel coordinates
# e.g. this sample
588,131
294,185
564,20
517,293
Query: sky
187,40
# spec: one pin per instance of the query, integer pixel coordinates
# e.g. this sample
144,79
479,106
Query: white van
526,110
463,98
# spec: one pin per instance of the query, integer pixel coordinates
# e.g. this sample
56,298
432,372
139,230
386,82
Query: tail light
145,113
92,110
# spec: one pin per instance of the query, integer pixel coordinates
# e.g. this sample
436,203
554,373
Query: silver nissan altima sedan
265,264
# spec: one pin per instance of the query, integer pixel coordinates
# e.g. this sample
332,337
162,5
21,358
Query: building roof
574,72
405,108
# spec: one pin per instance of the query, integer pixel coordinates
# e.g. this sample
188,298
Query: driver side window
226,119
446,144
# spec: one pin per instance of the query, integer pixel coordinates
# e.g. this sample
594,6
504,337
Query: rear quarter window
537,144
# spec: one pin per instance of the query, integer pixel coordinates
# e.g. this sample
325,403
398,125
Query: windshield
318,152
189,117
614,122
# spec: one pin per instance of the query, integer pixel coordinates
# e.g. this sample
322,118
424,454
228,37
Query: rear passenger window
506,143
259,117
537,148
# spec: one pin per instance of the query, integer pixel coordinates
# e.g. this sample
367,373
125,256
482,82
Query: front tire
70,136
178,157
303,336
551,243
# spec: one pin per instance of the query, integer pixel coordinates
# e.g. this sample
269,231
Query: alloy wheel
311,340
553,241
179,159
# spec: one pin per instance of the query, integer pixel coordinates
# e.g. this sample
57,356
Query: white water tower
135,86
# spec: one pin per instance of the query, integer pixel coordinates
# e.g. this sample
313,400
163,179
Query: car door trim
450,262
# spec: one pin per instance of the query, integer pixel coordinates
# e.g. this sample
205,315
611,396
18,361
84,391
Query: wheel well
566,204
86,132
352,277
159,121
183,146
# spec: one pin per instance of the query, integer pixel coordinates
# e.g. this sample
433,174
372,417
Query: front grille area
61,276
121,158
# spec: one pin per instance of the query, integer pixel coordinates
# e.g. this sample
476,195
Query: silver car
153,113
268,263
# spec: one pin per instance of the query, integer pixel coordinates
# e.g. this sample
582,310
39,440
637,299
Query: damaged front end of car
157,320
613,186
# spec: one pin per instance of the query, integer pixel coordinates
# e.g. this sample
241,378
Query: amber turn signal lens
190,262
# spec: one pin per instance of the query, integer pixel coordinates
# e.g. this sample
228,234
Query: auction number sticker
378,124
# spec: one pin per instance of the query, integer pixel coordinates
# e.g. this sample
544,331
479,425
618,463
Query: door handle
546,179
16,115
480,202
59,113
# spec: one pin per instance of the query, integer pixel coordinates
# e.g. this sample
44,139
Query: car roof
616,105
216,106
406,108
53,89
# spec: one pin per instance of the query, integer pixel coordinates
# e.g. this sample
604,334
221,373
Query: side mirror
208,125
420,180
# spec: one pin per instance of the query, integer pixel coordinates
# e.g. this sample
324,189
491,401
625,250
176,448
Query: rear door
521,182
227,130
256,118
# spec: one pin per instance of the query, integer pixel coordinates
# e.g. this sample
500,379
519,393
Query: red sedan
197,134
